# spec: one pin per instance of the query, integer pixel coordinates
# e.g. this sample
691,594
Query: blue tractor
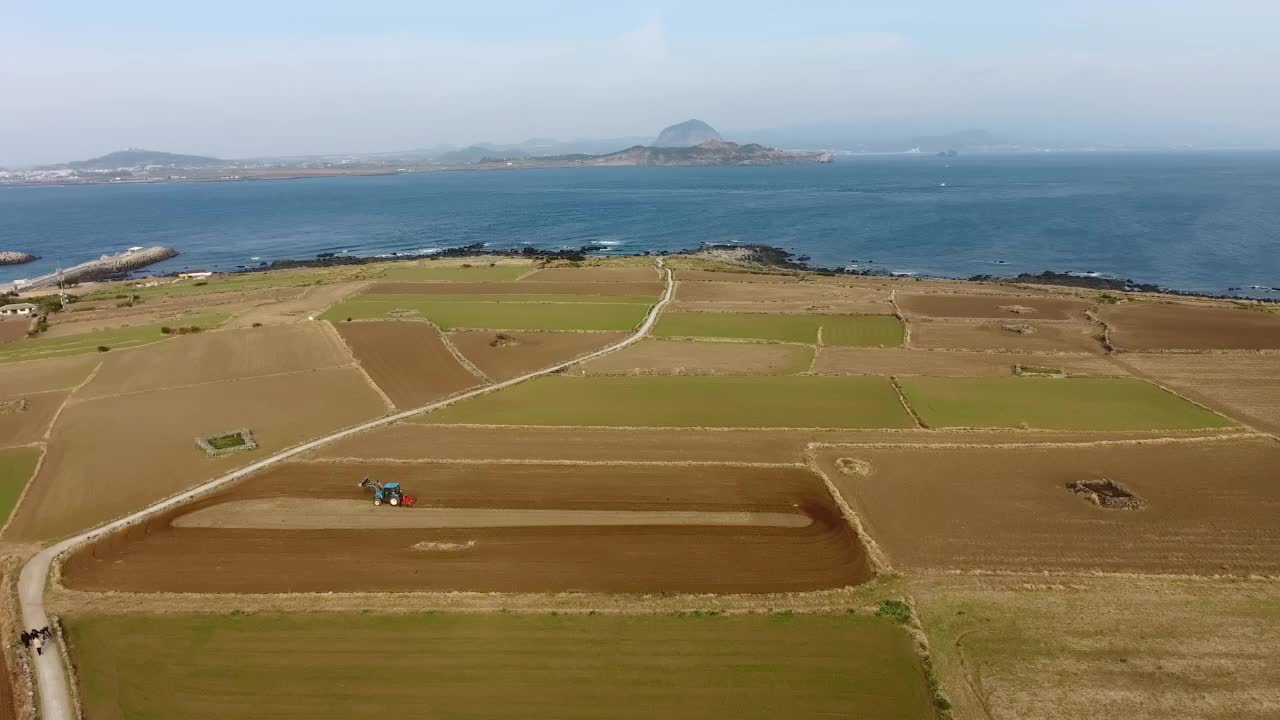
389,493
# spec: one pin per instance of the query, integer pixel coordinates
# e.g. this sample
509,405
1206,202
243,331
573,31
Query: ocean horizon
1195,222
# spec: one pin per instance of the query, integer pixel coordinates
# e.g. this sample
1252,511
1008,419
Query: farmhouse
19,309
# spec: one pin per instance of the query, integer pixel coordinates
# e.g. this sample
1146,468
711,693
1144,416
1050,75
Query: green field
1053,404
450,314
842,330
50,347
16,467
687,401
510,298
496,666
478,273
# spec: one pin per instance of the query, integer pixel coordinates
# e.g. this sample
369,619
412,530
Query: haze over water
1204,222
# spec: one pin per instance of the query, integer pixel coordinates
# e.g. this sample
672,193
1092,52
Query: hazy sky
237,78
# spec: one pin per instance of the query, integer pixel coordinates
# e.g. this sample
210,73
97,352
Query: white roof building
19,309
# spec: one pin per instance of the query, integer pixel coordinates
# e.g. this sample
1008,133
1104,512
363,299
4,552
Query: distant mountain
134,157
686,134
965,139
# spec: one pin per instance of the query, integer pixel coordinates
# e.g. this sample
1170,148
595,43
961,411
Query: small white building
19,310
195,275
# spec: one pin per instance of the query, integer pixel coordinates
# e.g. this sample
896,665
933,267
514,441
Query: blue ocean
1202,222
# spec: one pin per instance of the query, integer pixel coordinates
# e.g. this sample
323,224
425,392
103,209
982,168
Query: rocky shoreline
763,255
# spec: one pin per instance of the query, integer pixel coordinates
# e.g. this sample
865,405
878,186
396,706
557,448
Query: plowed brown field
218,356
36,376
621,289
1049,337
19,427
680,558
949,363
1170,326
718,276
408,360
113,455
990,306
523,352
689,357
1211,507
595,274
13,329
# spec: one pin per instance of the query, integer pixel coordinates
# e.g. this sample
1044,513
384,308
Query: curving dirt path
317,514
50,674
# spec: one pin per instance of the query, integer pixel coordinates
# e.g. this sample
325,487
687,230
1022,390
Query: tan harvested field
741,277
816,550
523,352
13,329
113,455
1100,648
315,514
414,441
408,360
595,274
21,427
218,357
1048,337
951,363
1255,401
1225,366
1210,507
608,289
106,315
1028,307
691,357
737,292
1245,386
36,376
310,303
1179,326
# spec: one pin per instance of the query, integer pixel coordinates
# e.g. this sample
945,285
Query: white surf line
51,679
323,514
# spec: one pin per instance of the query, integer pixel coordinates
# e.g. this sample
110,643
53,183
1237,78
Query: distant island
692,143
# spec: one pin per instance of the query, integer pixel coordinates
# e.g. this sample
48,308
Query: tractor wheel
377,501
395,501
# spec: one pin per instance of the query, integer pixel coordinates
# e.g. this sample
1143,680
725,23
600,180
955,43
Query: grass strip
688,401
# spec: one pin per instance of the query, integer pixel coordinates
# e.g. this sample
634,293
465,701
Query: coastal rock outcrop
16,258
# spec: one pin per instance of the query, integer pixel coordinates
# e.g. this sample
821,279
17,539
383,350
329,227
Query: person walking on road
38,643
26,639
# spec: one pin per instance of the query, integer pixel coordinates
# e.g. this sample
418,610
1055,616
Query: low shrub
895,609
